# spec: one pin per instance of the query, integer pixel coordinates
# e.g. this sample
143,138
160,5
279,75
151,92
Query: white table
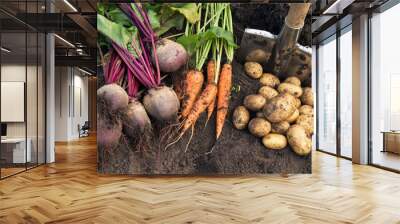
18,144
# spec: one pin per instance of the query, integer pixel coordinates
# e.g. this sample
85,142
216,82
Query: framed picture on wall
204,88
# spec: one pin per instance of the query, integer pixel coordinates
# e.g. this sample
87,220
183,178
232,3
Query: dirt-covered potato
268,79
298,102
253,69
280,127
306,110
274,141
308,97
307,122
254,102
268,92
259,127
298,140
292,118
293,80
291,89
280,107
257,55
260,114
240,117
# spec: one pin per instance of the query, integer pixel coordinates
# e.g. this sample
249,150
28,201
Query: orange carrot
224,92
210,79
208,94
192,88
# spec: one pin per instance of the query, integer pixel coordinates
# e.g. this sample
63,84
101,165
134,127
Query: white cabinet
19,155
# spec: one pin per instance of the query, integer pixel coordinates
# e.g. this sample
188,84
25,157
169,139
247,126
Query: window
326,104
385,89
346,92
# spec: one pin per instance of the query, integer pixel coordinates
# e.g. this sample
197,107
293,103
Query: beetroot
108,133
137,120
114,97
171,55
162,103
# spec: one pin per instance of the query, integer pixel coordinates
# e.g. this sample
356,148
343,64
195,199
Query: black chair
84,130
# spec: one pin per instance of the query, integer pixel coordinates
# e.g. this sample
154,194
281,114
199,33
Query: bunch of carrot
218,87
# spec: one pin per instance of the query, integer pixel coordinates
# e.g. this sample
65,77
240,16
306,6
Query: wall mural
204,88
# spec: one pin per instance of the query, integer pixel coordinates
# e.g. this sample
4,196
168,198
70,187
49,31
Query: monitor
3,129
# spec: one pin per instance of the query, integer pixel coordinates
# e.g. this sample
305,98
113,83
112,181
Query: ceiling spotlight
84,71
5,50
70,5
65,41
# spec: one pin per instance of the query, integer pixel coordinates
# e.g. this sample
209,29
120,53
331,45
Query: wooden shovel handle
297,14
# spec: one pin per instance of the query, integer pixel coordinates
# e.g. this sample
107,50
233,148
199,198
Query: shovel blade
300,63
256,46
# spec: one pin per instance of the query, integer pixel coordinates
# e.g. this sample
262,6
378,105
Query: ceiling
331,15
74,22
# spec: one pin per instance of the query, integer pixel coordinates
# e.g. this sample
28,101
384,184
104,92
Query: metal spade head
256,46
280,54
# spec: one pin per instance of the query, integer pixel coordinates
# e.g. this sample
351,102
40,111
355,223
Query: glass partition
14,153
22,77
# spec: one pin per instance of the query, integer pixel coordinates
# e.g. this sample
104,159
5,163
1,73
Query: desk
391,141
16,147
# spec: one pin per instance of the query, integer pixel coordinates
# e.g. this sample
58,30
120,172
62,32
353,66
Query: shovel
280,55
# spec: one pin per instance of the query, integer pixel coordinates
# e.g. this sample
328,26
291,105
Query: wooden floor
387,159
70,191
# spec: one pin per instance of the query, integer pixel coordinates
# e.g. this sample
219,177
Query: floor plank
71,191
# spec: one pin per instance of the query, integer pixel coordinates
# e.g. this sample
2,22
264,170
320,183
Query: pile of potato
283,112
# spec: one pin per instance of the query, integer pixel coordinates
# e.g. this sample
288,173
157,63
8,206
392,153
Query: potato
267,79
306,110
240,117
280,127
307,122
274,141
259,127
257,55
280,108
291,89
298,140
260,114
268,92
253,69
254,102
293,117
293,80
308,97
298,103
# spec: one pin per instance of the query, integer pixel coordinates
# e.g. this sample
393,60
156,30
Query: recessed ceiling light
5,50
70,5
84,71
64,40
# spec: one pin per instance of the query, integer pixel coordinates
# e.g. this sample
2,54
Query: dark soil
236,152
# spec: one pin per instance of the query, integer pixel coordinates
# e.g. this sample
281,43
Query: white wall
71,94
314,88
33,127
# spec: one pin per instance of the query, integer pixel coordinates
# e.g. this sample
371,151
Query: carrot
224,92
210,79
192,88
208,94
